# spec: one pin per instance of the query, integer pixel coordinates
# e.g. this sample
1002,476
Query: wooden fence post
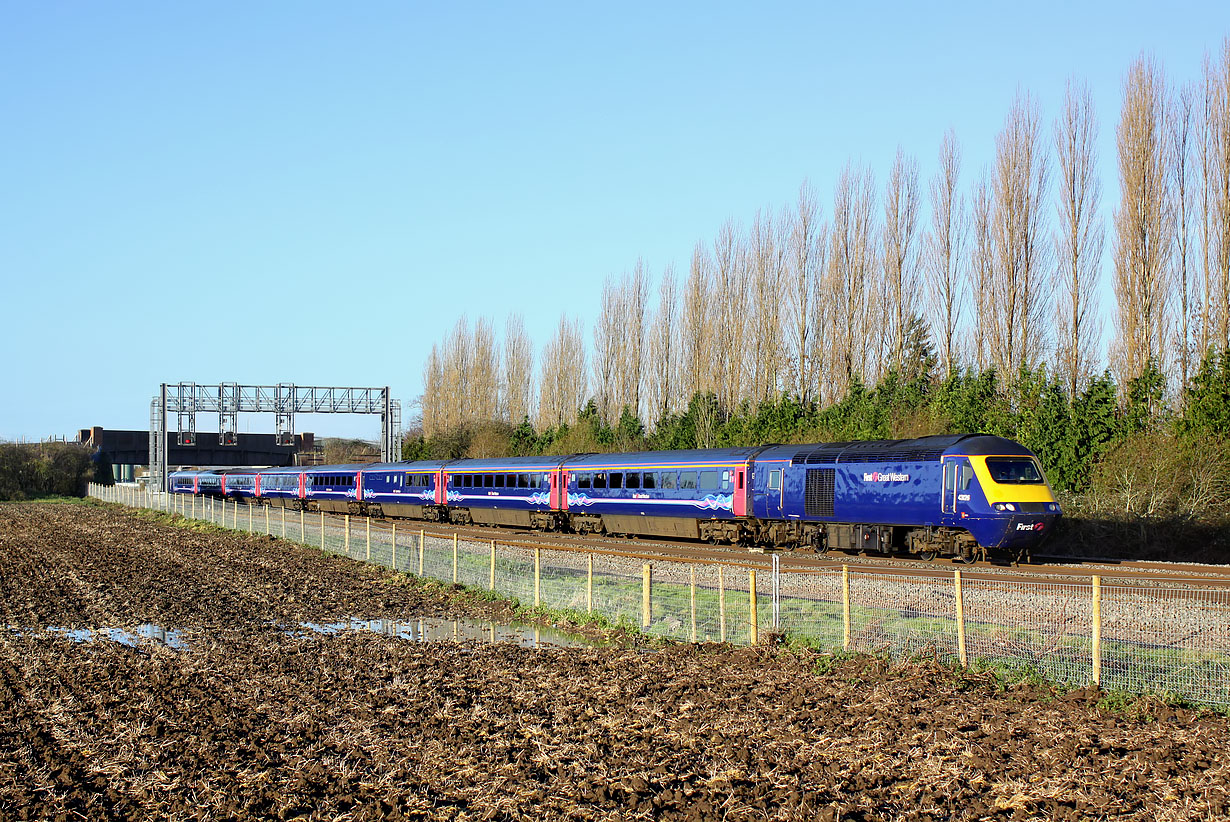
692,591
250,515
589,584
722,602
491,583
267,530
751,597
537,577
322,530
283,522
347,524
956,583
422,539
845,606
394,545
302,528
646,601
369,539
454,557
1096,639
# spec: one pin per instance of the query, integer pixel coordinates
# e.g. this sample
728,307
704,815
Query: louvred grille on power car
818,497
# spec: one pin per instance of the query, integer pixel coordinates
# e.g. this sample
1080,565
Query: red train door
441,494
358,485
303,486
256,485
741,491
196,485
558,480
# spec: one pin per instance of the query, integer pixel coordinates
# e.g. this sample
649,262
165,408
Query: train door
774,493
441,494
358,485
256,486
742,492
558,482
958,477
303,486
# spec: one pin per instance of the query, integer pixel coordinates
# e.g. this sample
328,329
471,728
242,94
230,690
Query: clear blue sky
188,190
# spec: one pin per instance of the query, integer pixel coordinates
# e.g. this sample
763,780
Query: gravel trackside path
247,720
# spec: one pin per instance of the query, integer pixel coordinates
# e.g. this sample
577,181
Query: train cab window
600,480
667,480
647,480
967,476
634,481
687,479
616,480
1019,470
523,480
583,480
775,480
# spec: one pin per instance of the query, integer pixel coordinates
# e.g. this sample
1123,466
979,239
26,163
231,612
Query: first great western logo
878,476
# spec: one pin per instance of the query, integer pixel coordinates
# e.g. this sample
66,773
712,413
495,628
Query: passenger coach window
499,480
648,481
582,480
668,481
634,481
709,480
488,480
687,479
523,480
600,480
617,480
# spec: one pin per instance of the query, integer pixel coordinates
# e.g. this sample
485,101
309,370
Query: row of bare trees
1005,274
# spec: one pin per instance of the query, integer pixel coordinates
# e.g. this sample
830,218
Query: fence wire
1173,641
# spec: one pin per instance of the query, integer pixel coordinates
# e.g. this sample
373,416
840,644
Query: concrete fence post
283,522
268,530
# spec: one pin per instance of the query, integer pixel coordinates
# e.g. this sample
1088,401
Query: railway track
1048,569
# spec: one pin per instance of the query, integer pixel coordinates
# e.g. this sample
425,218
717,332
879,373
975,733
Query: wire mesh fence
1173,640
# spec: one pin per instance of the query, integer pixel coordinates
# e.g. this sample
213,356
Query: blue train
963,496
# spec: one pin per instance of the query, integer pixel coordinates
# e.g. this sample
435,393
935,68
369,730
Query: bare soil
251,721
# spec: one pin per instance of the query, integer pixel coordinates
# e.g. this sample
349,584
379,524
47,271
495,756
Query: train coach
960,496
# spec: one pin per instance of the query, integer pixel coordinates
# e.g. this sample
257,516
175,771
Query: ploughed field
245,717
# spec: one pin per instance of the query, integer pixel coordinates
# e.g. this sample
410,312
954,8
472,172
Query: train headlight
1053,507
1004,506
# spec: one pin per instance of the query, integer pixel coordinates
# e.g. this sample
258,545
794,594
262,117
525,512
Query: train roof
639,459
547,463
919,449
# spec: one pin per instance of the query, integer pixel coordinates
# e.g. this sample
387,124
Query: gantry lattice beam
228,400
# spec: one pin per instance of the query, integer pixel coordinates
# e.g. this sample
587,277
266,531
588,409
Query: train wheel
929,556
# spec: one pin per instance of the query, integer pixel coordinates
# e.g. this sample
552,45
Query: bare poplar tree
802,276
900,271
562,383
730,298
851,280
1021,282
1142,225
433,379
982,275
764,347
482,380
455,357
607,343
634,297
699,316
1180,138
663,378
1217,172
945,247
1079,239
518,369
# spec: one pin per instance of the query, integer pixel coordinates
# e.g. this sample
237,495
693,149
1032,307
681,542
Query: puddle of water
449,630
146,632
